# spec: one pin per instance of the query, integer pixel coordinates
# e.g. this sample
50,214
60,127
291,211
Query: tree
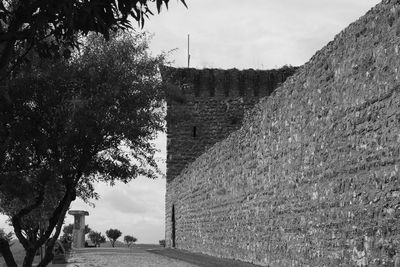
68,229
129,240
113,235
70,124
97,238
51,26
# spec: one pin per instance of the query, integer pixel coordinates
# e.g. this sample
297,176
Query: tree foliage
97,238
113,235
73,123
51,26
6,236
129,240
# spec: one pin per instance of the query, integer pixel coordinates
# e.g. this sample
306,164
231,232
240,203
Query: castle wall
312,176
205,106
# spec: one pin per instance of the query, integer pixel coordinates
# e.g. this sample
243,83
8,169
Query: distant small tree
68,229
129,240
113,235
97,238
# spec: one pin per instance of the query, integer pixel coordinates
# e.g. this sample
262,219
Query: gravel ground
120,258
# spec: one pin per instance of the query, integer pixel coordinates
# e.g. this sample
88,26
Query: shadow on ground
199,259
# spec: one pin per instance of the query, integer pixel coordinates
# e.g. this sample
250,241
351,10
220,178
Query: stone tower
205,106
312,176
78,232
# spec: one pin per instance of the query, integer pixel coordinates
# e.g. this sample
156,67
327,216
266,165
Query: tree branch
56,220
14,36
6,73
7,254
16,219
63,205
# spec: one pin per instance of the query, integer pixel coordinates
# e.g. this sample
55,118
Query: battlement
226,83
311,177
205,106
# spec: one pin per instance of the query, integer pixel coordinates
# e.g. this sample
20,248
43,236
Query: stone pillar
78,233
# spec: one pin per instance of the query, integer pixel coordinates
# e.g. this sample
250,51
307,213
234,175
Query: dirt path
119,257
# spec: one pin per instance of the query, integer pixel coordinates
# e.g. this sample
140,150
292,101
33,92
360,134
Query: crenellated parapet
205,106
227,83
312,175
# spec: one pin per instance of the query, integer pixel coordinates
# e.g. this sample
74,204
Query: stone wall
205,106
312,176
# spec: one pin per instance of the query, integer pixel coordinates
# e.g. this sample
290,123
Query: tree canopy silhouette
70,124
97,238
113,235
129,240
51,27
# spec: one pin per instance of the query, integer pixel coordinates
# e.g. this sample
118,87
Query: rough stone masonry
205,106
311,178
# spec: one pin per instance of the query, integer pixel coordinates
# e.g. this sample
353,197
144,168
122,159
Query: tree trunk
29,257
48,257
59,215
7,254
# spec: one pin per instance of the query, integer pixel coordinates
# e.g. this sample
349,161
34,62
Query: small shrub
129,240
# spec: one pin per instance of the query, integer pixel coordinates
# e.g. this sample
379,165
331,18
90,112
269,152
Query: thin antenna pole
188,50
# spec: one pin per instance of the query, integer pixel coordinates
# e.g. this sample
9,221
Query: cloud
124,203
224,34
138,197
127,207
229,33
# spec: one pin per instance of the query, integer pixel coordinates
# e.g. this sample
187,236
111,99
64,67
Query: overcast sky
261,34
